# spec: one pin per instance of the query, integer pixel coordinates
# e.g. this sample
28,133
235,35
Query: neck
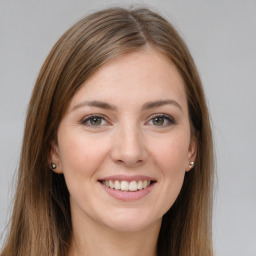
93,239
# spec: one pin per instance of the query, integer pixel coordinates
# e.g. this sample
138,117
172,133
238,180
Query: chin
132,221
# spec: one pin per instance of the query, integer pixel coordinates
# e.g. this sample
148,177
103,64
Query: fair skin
128,127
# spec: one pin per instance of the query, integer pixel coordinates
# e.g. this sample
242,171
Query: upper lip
128,178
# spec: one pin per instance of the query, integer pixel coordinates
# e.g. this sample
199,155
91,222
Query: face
124,144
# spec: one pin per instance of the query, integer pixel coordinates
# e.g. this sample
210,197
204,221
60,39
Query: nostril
130,162
128,148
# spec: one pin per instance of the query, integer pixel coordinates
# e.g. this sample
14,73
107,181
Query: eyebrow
146,106
95,103
159,103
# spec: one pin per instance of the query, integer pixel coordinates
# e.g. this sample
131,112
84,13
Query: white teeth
133,186
117,185
140,184
144,184
125,185
111,184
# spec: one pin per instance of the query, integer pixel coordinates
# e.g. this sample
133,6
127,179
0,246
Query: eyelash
170,121
167,118
85,120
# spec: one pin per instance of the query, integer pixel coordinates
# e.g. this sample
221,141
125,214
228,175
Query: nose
129,146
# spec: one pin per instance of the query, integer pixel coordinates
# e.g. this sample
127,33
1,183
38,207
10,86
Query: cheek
170,157
80,155
171,154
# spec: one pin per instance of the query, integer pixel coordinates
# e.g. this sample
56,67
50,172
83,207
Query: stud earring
191,164
53,166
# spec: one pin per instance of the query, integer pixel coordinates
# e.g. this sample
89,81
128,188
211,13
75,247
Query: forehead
134,78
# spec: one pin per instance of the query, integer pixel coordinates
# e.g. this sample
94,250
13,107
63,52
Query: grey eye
95,121
158,120
161,120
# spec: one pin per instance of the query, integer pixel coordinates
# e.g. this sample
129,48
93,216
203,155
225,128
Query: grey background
222,38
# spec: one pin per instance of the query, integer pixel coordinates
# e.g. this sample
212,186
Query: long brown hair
41,221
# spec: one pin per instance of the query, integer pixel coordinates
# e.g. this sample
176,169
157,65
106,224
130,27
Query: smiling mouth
123,185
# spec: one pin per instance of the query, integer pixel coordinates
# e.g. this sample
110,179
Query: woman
117,152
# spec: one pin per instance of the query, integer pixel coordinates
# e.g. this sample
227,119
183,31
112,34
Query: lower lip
128,195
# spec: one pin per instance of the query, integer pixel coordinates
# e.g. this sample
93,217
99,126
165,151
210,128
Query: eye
94,120
161,120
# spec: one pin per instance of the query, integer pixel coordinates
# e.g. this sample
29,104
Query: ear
54,158
192,152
